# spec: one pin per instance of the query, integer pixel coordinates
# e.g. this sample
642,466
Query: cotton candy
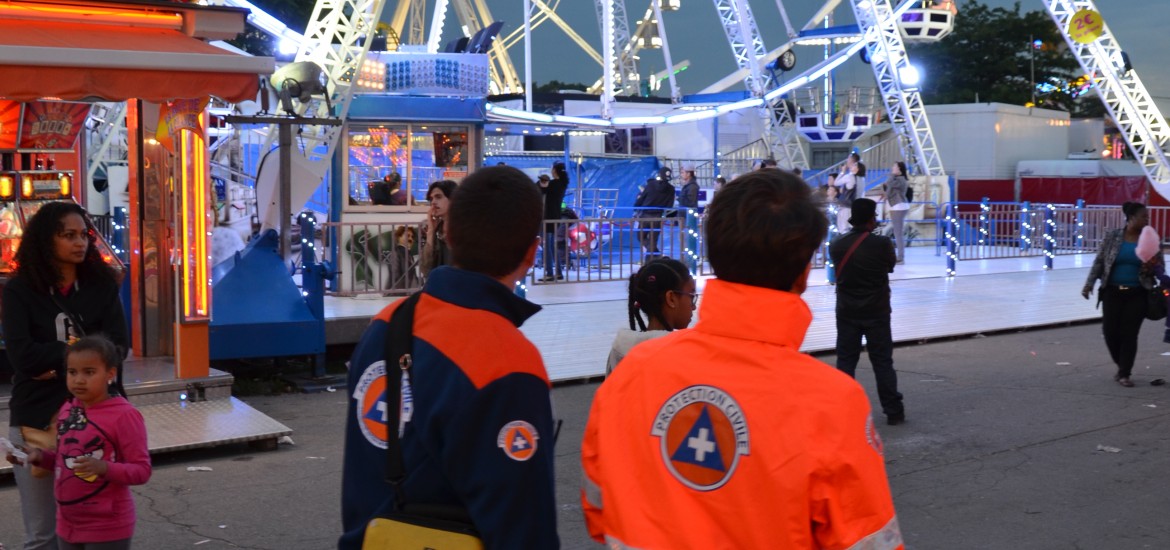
1148,244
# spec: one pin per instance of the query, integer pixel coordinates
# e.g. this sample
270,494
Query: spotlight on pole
909,76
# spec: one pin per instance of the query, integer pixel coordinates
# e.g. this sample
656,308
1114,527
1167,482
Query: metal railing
375,258
996,230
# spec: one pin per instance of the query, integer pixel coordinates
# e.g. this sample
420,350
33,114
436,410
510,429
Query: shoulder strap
399,337
849,254
68,312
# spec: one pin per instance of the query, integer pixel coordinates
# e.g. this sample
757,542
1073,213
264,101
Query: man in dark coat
864,262
657,195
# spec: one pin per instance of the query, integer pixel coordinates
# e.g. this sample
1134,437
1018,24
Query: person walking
894,195
553,192
1125,281
474,424
725,435
62,290
649,205
864,262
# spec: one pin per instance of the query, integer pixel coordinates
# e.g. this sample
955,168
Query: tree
990,57
554,86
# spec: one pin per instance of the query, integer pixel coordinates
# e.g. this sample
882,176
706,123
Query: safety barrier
375,258
995,230
609,249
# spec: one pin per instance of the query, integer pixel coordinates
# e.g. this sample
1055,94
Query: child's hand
86,466
24,456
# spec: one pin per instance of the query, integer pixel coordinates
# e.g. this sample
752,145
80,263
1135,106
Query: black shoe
895,419
546,279
560,276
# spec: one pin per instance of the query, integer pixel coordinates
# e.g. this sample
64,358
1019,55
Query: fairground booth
59,58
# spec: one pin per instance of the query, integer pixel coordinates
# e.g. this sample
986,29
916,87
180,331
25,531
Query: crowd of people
716,434
701,424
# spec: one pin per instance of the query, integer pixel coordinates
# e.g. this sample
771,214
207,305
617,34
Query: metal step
178,426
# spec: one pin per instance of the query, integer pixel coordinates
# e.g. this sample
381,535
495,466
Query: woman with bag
62,290
895,197
1126,282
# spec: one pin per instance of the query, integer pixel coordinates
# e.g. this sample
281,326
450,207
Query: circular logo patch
703,433
372,409
518,440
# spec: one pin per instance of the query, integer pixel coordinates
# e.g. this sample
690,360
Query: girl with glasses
665,292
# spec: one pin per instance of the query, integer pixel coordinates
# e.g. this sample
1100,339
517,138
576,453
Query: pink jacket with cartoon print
98,508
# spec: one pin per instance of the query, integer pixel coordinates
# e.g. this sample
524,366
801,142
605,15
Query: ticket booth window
419,154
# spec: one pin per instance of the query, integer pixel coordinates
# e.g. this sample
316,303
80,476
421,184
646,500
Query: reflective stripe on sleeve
613,543
888,537
592,490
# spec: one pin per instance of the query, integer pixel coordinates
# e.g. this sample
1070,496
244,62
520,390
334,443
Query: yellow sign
1086,26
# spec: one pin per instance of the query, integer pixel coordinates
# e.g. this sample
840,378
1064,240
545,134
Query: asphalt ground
1001,450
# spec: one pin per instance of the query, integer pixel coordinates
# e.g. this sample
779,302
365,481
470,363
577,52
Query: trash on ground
198,469
204,541
223,526
1151,405
330,389
285,440
1108,449
979,335
1158,382
1063,363
315,457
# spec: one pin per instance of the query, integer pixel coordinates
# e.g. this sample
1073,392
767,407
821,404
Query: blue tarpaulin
627,175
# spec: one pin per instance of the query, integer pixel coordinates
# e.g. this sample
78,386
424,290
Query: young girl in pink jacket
101,451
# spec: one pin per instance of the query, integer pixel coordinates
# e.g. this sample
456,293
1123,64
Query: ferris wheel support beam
618,25
438,19
607,47
1123,93
747,46
675,95
471,14
337,40
887,55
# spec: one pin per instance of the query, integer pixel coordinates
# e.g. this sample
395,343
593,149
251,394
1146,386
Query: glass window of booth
419,154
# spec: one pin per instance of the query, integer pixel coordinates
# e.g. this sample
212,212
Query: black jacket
554,195
863,284
690,195
657,194
35,332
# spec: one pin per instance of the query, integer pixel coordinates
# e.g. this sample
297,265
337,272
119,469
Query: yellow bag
41,439
404,532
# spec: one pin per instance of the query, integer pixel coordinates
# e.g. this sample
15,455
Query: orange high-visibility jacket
726,436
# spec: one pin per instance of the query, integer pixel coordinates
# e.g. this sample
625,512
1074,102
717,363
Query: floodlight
301,80
909,76
287,46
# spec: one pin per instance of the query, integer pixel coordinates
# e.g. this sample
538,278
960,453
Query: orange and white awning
84,61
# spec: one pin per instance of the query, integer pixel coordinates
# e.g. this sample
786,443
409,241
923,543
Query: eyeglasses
694,296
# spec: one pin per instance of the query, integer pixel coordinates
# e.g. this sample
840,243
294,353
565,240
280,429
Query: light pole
1033,45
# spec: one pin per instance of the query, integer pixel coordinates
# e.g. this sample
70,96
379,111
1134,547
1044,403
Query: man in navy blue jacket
478,434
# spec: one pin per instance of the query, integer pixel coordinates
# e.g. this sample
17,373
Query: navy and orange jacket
726,436
480,435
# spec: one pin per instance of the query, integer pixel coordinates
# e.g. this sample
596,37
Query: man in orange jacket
725,435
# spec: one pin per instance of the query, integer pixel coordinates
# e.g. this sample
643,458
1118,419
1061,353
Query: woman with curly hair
62,290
